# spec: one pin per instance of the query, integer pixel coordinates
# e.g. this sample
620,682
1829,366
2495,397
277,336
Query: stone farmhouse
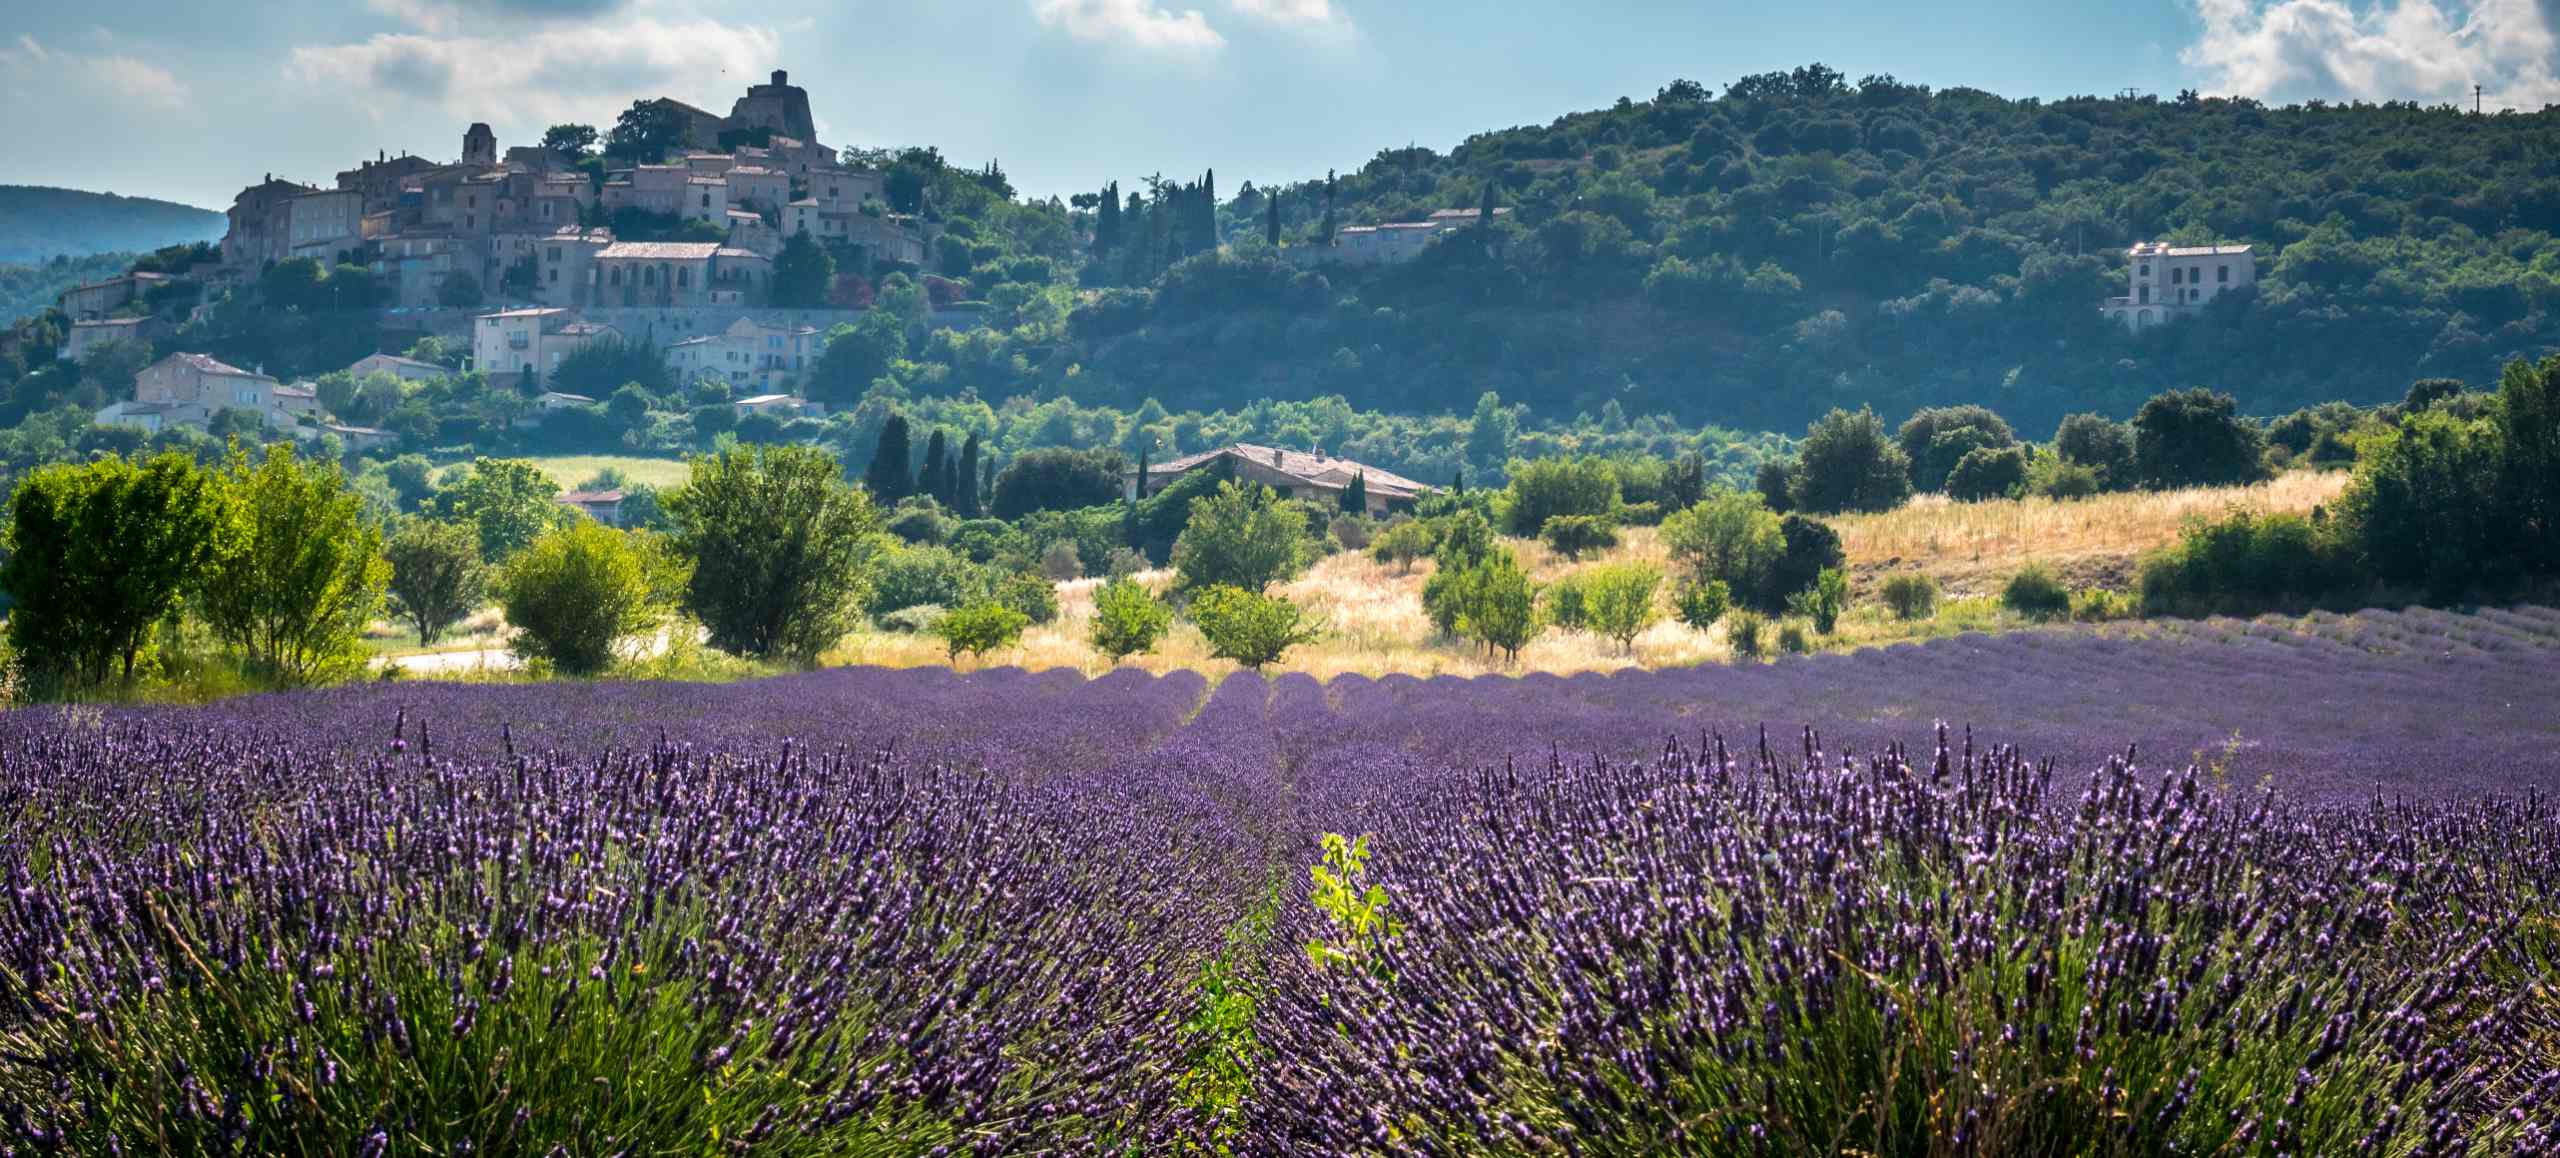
2170,282
529,340
188,389
1390,243
748,354
404,369
1312,475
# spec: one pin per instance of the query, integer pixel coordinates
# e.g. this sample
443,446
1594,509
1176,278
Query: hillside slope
1801,242
38,223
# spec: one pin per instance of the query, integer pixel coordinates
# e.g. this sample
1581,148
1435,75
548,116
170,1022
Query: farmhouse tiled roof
208,364
586,498
1313,469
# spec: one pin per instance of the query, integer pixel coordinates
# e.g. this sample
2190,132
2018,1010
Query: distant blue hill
38,223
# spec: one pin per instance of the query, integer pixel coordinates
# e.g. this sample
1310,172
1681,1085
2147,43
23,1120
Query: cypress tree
965,479
1208,210
1328,207
1271,227
1458,484
930,481
1484,208
1106,219
1355,498
986,482
951,480
887,477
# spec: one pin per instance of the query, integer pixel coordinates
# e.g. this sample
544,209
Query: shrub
1911,596
980,628
1572,535
1465,539
1566,603
1792,639
2100,605
1124,562
1403,542
1032,595
916,620
1545,488
1351,532
2424,508
1700,603
1848,463
1774,480
1823,601
1243,536
2056,477
1745,630
1248,627
1127,619
1644,514
1061,562
981,540
2243,562
922,524
2036,593
1988,473
574,593
911,576
1620,601
1057,479
1444,597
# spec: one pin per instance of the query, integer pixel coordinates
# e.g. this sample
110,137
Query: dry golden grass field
1375,626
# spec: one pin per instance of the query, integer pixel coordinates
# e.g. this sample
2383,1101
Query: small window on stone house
2222,274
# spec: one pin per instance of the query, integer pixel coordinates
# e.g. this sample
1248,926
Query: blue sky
190,99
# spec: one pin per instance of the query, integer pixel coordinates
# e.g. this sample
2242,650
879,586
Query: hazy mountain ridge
38,223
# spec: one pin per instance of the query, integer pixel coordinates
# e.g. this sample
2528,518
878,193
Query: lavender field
872,912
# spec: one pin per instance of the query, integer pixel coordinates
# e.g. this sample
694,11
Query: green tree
1701,603
1823,601
1808,547
572,142
1058,479
2527,418
1491,431
933,479
508,501
889,477
1502,608
1545,488
2099,443
437,578
1402,543
1986,473
1618,601
802,274
1937,438
964,480
576,593
459,291
1248,627
2424,507
646,131
1355,498
776,539
1848,463
1242,536
1465,539
1572,535
1127,619
629,407
2196,438
1729,536
99,552
858,353
980,628
303,573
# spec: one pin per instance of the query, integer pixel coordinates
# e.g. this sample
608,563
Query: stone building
188,389
2168,282
780,108
749,354
1298,474
261,230
529,340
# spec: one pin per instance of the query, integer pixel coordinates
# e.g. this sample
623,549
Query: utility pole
2475,99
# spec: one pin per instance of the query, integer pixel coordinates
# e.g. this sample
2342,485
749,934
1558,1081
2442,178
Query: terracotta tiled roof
1313,469
208,364
585,498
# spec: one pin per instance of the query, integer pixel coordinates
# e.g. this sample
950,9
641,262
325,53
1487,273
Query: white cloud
108,77
532,76
1320,14
1140,23
2426,50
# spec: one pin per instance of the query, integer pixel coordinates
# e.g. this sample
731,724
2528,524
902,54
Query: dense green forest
1802,242
38,223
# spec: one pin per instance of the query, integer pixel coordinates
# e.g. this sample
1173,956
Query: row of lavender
876,912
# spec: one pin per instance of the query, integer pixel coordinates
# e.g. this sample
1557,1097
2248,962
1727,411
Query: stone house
602,506
748,354
404,369
678,273
260,231
187,389
529,340
1315,475
2169,282
758,188
324,225
99,299
87,336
